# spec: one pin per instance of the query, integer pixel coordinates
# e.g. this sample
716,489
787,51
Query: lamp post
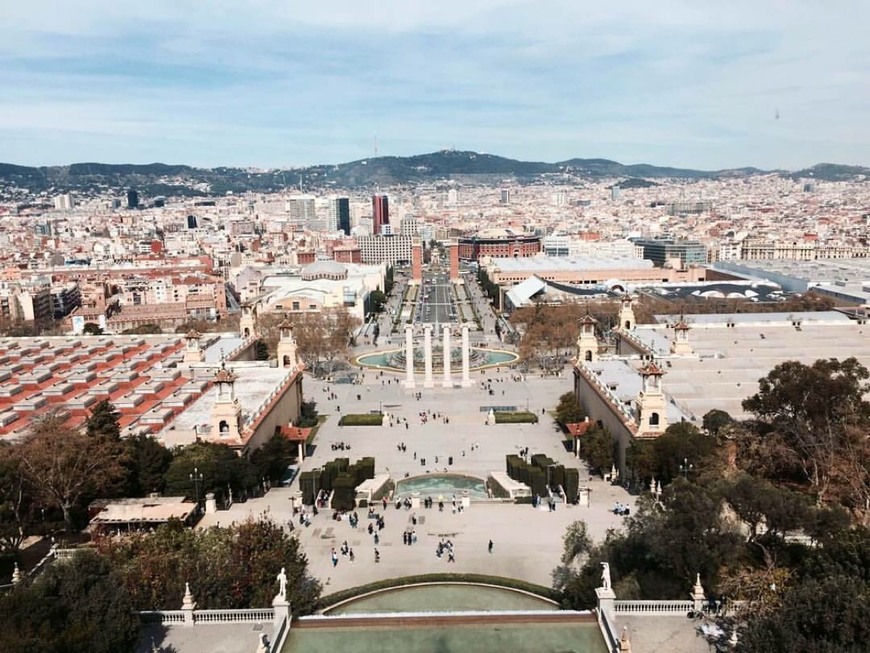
42,510
196,479
686,467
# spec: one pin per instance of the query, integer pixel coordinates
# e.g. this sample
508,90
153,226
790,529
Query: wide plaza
527,541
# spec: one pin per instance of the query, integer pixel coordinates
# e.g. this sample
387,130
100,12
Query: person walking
489,548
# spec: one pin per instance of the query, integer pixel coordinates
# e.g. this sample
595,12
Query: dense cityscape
401,395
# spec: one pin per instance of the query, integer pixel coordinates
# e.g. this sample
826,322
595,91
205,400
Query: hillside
386,171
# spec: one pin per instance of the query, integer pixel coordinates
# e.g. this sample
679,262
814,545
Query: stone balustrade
653,607
256,615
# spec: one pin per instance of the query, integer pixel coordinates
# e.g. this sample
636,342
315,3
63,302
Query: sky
279,83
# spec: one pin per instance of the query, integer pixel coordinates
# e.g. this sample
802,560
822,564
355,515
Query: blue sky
281,83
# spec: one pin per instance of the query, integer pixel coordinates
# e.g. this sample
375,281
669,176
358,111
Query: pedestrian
490,546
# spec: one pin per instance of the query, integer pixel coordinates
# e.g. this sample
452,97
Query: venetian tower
226,414
248,321
288,353
627,320
193,352
652,416
587,343
680,344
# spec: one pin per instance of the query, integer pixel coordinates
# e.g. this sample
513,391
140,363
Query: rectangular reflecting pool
451,635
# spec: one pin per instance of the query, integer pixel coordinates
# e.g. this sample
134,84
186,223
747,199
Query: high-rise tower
339,214
380,213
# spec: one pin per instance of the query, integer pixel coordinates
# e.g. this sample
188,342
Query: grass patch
361,419
498,581
517,417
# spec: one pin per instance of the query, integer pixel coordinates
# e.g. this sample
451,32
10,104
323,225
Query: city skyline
763,84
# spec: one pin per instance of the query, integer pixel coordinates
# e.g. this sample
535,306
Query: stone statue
605,576
282,584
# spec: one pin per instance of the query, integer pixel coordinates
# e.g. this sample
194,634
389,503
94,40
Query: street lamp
196,479
686,467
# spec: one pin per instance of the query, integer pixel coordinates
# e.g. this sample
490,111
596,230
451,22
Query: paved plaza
527,542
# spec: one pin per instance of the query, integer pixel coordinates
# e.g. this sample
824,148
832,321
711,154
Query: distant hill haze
464,167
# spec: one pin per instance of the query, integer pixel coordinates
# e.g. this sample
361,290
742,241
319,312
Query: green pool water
474,638
441,485
443,598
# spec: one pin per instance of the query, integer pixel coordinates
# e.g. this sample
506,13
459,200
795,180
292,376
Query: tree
378,299
716,420
65,466
261,350
679,443
146,463
569,410
577,543
231,567
272,458
831,614
143,330
15,500
596,448
92,329
220,466
809,409
77,605
104,422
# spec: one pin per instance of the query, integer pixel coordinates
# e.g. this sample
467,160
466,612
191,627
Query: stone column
445,346
188,605
466,354
409,356
428,381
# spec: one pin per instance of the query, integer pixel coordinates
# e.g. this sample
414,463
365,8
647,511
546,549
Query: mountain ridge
444,165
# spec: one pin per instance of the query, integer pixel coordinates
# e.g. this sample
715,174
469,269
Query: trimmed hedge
361,419
388,583
536,473
517,417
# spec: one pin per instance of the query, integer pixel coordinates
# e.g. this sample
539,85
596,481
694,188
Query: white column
428,381
447,382
409,356
466,354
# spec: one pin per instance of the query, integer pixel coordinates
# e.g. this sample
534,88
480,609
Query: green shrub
361,419
518,417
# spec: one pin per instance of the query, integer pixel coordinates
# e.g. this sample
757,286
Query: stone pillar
428,381
445,346
698,595
606,599
282,610
466,355
188,605
409,356
210,504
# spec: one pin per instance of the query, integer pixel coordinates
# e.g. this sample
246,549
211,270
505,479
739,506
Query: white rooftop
532,264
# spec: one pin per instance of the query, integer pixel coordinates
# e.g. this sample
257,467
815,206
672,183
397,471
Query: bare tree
65,465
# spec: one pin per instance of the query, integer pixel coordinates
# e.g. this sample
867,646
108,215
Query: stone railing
608,631
261,615
653,607
257,615
161,616
279,635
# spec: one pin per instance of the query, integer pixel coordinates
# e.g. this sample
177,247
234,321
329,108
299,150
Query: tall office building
380,213
339,214
132,199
